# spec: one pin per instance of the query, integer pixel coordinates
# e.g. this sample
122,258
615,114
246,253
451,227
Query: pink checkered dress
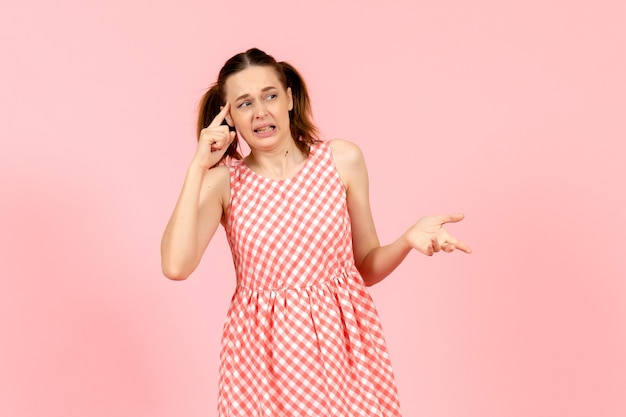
302,336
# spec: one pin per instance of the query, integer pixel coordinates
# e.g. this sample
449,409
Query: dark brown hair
300,118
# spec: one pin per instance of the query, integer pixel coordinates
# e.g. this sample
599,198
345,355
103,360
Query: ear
290,98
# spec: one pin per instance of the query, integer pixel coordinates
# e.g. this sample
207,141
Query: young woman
302,335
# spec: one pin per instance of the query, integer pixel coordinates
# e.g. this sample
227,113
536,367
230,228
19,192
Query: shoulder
348,160
345,153
218,174
216,182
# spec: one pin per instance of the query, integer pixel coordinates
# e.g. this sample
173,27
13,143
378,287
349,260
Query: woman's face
259,107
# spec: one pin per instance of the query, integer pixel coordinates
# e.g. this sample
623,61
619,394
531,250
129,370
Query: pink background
513,112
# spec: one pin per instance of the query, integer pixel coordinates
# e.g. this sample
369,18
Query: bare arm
374,261
201,203
194,221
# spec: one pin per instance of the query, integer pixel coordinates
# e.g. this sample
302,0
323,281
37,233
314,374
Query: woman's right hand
214,141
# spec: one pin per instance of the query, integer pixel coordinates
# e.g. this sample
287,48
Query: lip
261,126
264,134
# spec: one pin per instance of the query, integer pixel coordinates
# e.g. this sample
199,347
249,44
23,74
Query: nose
260,110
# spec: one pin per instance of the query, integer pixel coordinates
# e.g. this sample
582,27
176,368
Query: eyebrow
248,95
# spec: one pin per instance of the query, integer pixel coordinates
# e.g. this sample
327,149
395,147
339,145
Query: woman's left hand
428,235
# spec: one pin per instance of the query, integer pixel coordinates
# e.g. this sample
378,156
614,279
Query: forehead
251,80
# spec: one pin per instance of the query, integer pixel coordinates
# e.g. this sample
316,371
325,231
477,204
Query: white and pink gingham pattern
302,336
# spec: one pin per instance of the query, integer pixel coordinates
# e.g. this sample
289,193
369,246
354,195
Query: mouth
264,129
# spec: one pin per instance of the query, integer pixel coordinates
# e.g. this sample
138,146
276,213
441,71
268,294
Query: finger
224,142
462,246
215,134
451,218
217,120
435,244
219,145
215,138
448,248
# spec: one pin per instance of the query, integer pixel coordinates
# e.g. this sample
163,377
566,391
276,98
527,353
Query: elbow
175,274
371,281
175,277
176,267
369,278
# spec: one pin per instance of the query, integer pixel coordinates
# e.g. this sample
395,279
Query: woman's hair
300,117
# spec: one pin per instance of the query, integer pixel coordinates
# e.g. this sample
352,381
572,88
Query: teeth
265,129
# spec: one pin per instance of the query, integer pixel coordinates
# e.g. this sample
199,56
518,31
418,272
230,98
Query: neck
279,163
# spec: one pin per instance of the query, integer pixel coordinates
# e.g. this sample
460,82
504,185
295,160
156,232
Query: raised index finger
220,116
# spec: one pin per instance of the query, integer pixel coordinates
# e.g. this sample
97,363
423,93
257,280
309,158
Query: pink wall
512,113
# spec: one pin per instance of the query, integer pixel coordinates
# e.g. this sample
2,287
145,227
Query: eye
244,104
271,96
